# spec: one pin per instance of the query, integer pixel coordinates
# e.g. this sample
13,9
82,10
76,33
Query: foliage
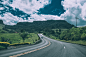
4,40
39,26
3,31
23,35
16,44
16,38
10,37
2,47
74,34
5,44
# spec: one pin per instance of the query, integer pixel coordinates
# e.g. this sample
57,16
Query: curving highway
47,48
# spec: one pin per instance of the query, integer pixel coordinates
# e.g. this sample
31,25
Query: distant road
47,48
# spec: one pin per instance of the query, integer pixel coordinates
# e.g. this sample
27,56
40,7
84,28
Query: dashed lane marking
30,51
64,47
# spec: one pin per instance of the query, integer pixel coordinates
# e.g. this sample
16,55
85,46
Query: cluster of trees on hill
49,32
74,34
39,26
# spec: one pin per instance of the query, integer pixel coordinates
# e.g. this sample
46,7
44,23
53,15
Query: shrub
1,47
16,44
4,44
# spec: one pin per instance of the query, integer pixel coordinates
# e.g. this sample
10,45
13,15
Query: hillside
38,26
1,24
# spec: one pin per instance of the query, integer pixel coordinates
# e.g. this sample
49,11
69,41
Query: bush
16,44
1,47
4,44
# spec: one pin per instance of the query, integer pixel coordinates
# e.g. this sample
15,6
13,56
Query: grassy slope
15,37
1,47
1,26
81,42
33,38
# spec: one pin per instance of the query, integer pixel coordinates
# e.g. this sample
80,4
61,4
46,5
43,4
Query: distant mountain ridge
38,26
1,22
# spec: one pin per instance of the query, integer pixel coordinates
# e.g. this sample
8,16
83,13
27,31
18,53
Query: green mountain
38,26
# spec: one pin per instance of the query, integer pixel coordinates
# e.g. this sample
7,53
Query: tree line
74,34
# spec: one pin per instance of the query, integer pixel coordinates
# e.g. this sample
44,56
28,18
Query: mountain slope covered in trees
39,26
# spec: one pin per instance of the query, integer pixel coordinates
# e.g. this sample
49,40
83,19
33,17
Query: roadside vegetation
73,35
26,33
10,37
14,39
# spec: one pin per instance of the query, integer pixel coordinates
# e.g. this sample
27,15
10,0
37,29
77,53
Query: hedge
1,47
16,44
4,44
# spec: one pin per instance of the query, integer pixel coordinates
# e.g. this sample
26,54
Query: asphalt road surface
47,48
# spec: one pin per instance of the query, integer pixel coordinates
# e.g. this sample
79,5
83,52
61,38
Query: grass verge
1,47
80,42
16,38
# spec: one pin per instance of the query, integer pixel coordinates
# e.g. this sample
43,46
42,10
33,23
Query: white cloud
36,17
83,13
28,6
1,8
9,19
74,8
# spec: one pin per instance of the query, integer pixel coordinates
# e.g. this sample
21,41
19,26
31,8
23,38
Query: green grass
1,26
32,39
81,42
16,38
1,47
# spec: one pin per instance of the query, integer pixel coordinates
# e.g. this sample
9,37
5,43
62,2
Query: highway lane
59,49
52,48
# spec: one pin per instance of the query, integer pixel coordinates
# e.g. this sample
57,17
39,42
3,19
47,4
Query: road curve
47,48
11,52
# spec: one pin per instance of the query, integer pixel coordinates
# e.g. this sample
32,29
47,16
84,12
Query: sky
14,11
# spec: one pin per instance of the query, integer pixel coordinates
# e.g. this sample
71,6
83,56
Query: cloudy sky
14,11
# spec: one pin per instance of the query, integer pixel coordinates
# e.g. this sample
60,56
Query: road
47,48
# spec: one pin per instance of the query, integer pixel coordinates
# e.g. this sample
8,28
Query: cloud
45,17
28,6
74,8
10,19
1,8
12,14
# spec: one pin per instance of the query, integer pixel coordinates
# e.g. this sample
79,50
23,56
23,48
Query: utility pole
76,21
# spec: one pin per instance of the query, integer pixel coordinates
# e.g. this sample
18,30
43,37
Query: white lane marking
64,47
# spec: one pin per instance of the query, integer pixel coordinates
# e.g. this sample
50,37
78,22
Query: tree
2,39
83,36
31,36
23,35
